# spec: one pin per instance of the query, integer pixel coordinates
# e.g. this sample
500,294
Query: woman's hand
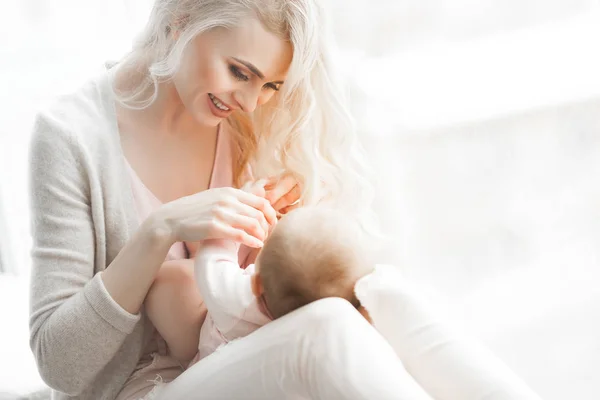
282,193
258,188
224,213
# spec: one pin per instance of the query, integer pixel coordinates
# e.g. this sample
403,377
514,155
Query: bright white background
482,118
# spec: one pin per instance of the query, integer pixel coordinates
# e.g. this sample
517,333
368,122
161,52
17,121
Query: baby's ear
363,311
257,286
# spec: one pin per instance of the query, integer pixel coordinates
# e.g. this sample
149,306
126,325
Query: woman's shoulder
83,115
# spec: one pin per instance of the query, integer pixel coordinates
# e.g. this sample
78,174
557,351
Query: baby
312,253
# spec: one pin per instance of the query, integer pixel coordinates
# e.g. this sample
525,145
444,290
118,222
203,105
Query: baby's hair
312,254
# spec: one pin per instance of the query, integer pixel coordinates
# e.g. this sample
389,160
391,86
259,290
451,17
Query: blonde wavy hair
305,130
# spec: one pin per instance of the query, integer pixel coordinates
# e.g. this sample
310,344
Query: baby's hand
192,248
283,192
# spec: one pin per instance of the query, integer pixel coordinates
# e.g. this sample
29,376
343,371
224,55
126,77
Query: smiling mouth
218,103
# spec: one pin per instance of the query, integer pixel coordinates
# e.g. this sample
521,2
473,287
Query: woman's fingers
252,212
277,188
247,187
287,199
239,221
258,203
289,208
190,218
220,230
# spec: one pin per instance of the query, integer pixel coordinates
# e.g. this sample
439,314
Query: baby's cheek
248,256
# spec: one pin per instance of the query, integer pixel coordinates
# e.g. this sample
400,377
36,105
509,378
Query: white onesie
233,310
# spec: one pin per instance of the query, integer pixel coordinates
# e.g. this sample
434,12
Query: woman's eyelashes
273,86
237,74
240,76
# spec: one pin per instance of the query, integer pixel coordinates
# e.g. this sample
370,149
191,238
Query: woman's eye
237,74
272,86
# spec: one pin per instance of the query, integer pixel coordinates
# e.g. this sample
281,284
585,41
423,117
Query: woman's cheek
218,79
265,97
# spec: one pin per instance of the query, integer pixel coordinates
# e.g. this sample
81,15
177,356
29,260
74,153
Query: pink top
221,176
146,202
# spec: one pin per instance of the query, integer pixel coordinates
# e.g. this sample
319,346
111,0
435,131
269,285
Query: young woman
148,158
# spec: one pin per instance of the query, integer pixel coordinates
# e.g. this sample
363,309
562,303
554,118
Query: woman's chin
211,121
206,118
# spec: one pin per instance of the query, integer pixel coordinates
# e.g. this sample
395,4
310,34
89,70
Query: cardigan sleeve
76,328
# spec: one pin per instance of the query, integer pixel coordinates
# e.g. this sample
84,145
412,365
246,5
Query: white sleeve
224,286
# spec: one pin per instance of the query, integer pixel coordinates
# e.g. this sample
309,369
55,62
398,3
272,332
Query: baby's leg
175,307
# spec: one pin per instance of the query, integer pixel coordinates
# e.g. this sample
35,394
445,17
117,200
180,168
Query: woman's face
231,69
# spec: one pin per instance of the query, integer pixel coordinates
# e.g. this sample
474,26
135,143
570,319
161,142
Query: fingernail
257,243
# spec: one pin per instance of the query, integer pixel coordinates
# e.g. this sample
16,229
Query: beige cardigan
85,344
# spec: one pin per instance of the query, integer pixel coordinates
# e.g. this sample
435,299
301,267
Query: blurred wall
47,48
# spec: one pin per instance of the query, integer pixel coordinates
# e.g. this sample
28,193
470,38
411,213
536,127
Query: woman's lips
215,109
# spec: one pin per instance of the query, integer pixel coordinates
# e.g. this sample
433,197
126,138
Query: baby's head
313,253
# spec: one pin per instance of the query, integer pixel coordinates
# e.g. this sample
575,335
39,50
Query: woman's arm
78,320
129,277
76,326
225,213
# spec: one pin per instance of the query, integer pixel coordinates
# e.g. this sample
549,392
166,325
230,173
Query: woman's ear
257,286
177,25
174,32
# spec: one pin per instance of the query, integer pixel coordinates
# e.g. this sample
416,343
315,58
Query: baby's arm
174,306
225,287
